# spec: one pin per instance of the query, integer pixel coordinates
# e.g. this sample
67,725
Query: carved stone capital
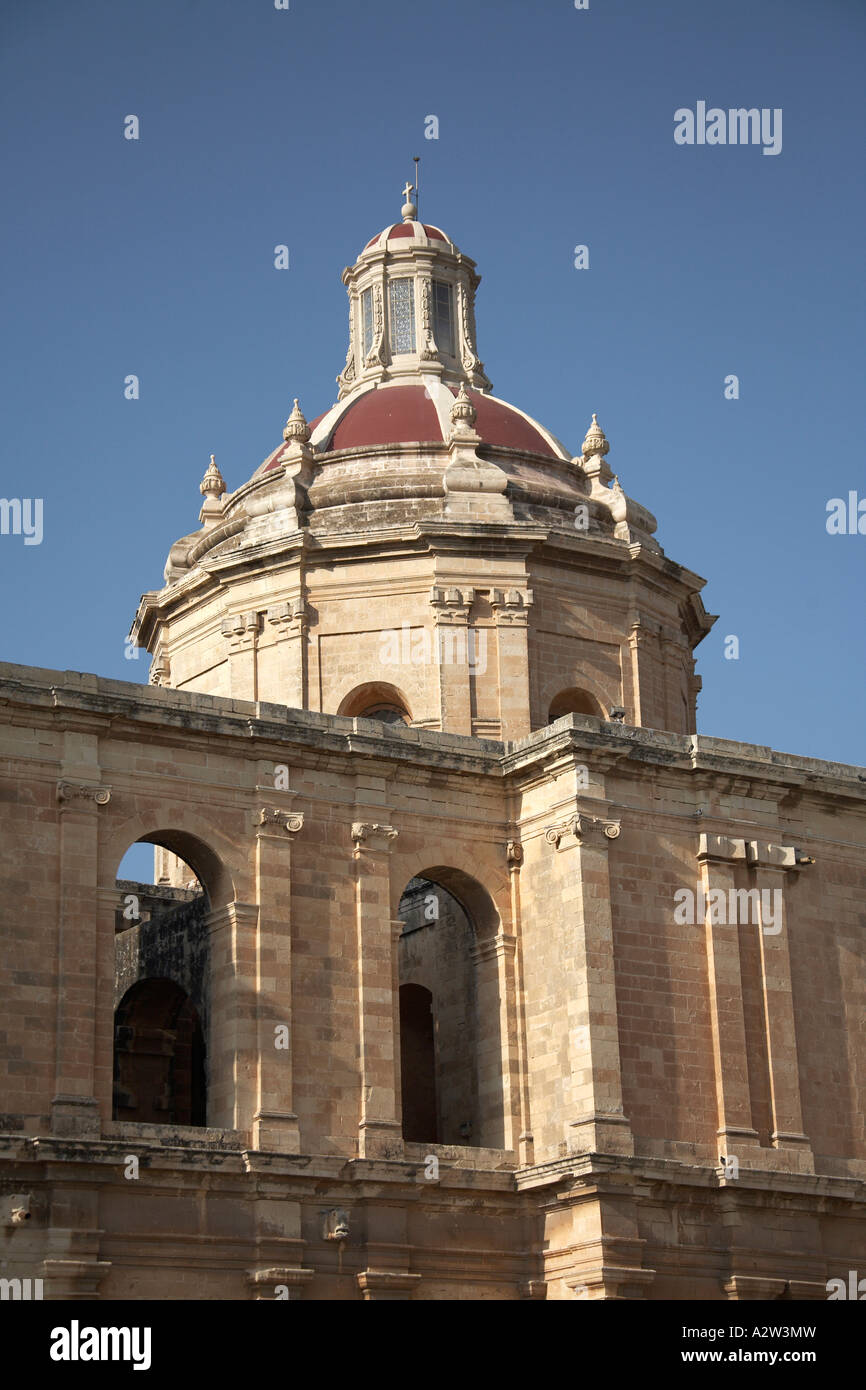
575,830
76,793
514,854
369,836
273,817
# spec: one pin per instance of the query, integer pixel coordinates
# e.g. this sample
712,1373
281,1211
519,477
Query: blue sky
261,127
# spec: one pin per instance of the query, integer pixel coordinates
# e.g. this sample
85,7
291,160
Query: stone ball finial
463,410
595,441
296,426
213,483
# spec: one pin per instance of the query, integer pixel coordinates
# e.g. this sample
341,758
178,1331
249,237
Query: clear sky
261,127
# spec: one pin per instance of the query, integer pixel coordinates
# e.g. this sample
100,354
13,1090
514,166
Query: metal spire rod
417,159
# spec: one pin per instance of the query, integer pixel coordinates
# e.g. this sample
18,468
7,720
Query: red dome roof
401,229
390,415
410,414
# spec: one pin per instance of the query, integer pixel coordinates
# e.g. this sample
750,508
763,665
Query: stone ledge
47,689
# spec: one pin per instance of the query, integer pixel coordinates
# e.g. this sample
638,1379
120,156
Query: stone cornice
95,703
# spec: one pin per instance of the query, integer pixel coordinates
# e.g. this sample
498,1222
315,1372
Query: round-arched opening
376,700
161,977
574,701
450,1054
159,1056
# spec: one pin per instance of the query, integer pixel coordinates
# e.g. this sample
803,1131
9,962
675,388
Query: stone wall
622,1051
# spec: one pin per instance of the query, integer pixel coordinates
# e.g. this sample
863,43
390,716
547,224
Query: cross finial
409,208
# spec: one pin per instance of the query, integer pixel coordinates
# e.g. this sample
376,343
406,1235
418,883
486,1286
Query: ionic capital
369,836
575,830
74,793
273,818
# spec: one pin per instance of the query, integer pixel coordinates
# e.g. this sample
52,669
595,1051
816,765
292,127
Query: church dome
420,499
411,349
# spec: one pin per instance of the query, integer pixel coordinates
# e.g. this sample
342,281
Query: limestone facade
470,971
618,1055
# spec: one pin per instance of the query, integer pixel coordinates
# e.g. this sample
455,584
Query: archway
161,976
159,1056
574,701
450,1045
376,700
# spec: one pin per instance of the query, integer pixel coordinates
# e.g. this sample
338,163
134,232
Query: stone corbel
761,855
720,849
754,853
511,606
451,605
289,619
240,630
368,836
74,793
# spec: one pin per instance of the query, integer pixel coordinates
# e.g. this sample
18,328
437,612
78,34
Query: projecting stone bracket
451,605
511,606
755,853
380,1285
270,1283
289,619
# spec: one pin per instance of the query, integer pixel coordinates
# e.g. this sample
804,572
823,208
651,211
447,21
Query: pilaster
289,624
775,868
380,1132
452,636
275,1125
241,633
75,1107
233,1051
718,858
511,616
598,1123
